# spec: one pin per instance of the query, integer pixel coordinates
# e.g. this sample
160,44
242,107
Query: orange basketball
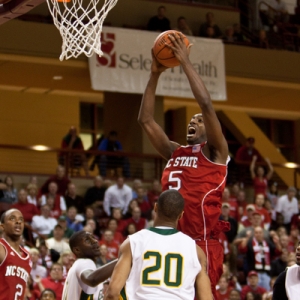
163,54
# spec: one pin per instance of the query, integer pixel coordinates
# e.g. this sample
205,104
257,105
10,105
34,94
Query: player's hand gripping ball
163,53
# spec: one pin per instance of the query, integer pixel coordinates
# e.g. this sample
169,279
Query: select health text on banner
126,63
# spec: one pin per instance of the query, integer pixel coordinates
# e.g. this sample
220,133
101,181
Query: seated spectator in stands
48,294
229,36
90,215
272,194
114,162
67,259
130,229
112,225
225,216
278,222
287,205
224,289
55,281
242,203
27,209
260,180
238,34
45,259
75,160
259,207
231,278
271,211
118,195
59,205
159,22
72,199
57,242
136,219
74,221
32,291
233,205
154,192
121,223
37,270
112,247
279,264
143,204
261,41
252,286
92,224
9,192
210,23
102,259
60,179
183,26
234,295
62,221
43,224
32,191
133,204
94,195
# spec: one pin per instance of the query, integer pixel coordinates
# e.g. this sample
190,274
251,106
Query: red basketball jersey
201,183
14,273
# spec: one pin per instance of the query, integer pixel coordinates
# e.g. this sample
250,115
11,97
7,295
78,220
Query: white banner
126,62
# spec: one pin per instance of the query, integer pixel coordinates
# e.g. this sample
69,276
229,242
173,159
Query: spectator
31,291
74,221
252,286
102,259
112,225
10,193
32,191
43,224
159,22
136,219
259,207
60,179
245,153
234,295
261,41
59,204
114,162
112,247
136,183
238,34
259,254
224,290
279,264
94,195
57,241
280,12
288,206
66,259
272,194
260,180
27,209
121,223
154,192
130,229
210,23
75,160
183,26
62,221
45,258
229,36
37,270
242,203
233,205
143,204
48,294
55,281
72,199
225,216
117,195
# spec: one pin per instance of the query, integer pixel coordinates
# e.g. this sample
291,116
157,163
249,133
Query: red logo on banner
108,48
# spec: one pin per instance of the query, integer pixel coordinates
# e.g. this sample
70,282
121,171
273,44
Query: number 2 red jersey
201,183
14,273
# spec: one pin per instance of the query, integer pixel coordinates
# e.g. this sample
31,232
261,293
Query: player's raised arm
94,277
155,133
120,273
215,137
202,283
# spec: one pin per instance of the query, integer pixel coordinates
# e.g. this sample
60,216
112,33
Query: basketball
163,53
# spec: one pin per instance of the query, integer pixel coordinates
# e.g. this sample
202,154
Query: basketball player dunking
15,264
198,171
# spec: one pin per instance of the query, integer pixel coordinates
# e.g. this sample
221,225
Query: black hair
76,239
170,204
48,290
57,226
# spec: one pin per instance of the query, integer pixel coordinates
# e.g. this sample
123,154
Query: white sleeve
279,205
63,205
83,265
106,202
128,198
34,222
43,200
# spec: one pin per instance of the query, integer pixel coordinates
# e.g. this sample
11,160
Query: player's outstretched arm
202,284
121,272
155,133
94,277
215,137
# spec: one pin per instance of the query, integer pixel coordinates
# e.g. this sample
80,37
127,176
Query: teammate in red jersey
198,171
15,264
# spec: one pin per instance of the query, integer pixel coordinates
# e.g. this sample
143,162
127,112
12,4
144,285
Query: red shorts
213,250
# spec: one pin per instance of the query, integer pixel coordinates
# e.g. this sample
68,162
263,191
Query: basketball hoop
80,25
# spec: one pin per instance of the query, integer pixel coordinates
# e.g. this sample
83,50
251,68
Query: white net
80,25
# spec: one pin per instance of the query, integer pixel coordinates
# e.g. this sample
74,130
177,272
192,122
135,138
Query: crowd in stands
265,224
